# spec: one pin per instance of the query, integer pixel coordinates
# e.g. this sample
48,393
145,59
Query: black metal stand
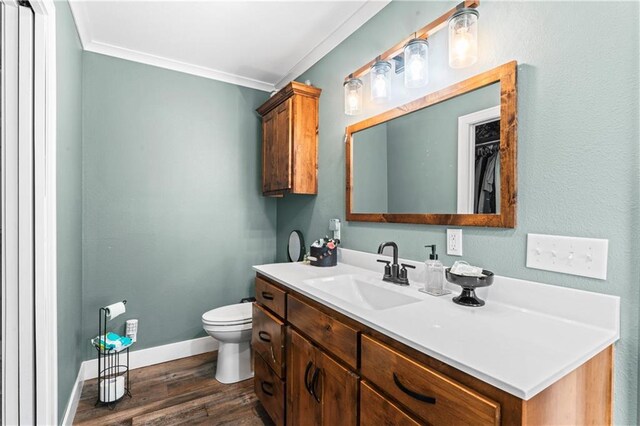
113,367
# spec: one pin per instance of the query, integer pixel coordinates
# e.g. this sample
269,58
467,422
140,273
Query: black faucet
393,273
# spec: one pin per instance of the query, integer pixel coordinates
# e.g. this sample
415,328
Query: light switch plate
454,242
585,257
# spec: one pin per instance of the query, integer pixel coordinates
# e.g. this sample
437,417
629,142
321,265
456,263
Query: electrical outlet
586,257
454,242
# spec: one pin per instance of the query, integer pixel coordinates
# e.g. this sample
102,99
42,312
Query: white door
17,170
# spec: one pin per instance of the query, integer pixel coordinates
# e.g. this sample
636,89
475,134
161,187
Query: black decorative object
113,366
469,284
324,252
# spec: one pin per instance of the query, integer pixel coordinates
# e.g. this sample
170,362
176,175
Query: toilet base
234,362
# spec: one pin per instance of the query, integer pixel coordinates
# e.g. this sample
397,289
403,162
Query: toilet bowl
231,327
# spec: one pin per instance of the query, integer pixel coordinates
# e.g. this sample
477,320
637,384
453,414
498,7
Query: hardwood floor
175,393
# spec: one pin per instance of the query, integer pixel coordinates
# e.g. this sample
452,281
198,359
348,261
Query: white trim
369,9
172,64
26,209
46,320
466,155
10,213
355,21
158,354
74,398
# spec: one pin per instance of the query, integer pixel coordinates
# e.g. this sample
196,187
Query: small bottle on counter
434,277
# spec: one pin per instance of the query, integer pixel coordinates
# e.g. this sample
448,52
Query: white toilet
231,327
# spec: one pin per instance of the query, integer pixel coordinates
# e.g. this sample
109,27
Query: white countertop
527,336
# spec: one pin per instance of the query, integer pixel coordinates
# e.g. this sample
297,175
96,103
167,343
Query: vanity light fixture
416,63
353,96
463,38
413,54
380,81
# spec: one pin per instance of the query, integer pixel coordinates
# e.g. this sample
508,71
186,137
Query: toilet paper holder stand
113,367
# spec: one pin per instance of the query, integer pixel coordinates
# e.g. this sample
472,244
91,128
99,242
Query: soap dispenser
434,281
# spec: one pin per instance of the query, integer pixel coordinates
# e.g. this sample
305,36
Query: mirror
295,247
447,158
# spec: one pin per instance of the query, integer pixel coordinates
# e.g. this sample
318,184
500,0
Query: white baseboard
137,359
158,354
74,398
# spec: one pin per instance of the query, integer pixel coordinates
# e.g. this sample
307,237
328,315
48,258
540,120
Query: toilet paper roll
115,310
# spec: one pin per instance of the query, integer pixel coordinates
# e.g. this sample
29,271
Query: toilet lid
239,313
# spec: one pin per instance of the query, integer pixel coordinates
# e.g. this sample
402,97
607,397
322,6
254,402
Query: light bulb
353,100
416,66
380,87
462,44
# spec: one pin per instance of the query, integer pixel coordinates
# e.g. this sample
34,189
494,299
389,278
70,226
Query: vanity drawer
336,337
271,296
434,397
268,338
377,410
269,389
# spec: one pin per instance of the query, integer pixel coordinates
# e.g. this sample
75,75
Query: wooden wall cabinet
337,371
290,141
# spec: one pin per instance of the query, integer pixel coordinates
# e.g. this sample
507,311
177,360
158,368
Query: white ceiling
258,44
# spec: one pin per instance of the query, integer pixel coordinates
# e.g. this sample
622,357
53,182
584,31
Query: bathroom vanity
339,346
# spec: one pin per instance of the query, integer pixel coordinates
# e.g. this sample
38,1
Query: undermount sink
361,291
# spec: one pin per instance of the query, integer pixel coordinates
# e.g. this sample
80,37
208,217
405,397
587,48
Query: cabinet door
337,390
302,407
277,149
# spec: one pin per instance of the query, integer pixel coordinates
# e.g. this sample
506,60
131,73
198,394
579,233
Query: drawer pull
307,385
267,387
264,336
267,295
412,394
314,384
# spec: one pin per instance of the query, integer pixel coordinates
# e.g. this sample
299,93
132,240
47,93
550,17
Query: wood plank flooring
180,392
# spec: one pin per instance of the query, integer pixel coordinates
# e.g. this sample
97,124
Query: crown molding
171,64
355,21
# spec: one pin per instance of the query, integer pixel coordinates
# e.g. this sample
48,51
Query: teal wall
69,201
578,151
173,213
370,193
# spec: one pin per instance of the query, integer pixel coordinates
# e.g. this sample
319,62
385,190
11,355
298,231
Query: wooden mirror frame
506,218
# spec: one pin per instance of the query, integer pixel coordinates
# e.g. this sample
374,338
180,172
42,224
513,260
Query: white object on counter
463,268
527,336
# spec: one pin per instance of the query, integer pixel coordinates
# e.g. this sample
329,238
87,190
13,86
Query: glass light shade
380,81
416,63
463,38
353,96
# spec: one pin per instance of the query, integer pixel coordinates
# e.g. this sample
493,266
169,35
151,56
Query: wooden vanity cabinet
290,141
319,390
268,341
338,371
